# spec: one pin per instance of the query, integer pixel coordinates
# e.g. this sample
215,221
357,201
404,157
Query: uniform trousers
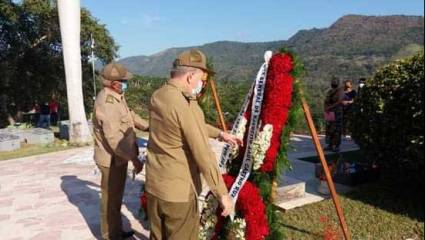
112,185
173,220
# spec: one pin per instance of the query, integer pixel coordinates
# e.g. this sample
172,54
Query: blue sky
145,27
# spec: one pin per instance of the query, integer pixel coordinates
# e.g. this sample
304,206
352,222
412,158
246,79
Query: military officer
115,145
178,153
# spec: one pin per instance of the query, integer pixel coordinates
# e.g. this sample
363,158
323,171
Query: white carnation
260,145
240,133
238,227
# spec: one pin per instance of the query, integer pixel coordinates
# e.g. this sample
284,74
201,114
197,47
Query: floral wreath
269,154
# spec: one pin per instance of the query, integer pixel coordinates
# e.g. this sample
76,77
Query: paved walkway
56,196
302,146
303,171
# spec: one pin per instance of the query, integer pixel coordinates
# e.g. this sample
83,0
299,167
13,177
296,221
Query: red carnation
252,208
276,104
144,202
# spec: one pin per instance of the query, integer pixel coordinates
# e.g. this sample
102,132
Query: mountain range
353,47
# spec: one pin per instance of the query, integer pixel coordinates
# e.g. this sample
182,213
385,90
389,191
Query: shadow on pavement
85,195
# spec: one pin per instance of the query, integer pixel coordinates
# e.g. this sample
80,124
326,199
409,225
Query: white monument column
69,19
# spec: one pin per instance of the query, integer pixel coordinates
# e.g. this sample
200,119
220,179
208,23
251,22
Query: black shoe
126,235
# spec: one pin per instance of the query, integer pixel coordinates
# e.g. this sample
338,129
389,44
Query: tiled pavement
56,195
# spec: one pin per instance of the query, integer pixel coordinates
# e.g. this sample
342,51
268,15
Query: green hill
352,47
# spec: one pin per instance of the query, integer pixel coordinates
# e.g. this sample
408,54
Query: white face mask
361,85
197,90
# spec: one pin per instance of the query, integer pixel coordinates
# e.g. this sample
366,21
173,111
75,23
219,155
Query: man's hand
231,139
138,166
227,205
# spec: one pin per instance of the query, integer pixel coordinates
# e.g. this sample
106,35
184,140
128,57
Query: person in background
349,96
44,120
362,82
54,109
333,107
35,109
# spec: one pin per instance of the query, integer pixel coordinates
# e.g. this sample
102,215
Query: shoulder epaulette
188,97
109,99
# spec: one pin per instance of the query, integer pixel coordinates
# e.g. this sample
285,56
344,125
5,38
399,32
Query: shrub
388,119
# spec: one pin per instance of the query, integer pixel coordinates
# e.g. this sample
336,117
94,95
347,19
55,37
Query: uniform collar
117,96
188,96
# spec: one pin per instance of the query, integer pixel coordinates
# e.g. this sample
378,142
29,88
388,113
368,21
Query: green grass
30,150
351,156
374,211
27,150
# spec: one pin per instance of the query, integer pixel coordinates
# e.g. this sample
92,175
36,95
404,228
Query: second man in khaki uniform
179,152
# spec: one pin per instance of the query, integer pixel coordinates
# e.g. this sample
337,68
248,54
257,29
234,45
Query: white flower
238,227
209,221
260,145
240,133
208,218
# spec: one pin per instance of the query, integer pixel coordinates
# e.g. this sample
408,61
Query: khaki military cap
115,72
192,58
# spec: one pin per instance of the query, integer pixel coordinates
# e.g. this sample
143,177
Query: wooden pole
217,105
329,180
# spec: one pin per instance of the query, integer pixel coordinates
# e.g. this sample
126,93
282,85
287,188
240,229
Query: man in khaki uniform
178,152
115,145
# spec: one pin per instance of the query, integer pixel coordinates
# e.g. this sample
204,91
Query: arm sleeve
120,139
200,149
212,131
139,122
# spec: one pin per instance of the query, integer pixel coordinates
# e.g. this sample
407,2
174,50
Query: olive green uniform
178,152
115,145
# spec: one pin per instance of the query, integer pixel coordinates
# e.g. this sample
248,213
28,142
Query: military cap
192,58
115,72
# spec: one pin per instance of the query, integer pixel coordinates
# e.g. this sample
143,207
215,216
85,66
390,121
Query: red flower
144,202
330,232
276,104
251,206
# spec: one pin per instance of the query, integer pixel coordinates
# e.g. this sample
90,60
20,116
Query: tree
31,60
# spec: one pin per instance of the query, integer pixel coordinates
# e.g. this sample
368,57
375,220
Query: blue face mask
124,86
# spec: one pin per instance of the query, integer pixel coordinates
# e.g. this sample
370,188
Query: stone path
56,195
304,172
302,147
